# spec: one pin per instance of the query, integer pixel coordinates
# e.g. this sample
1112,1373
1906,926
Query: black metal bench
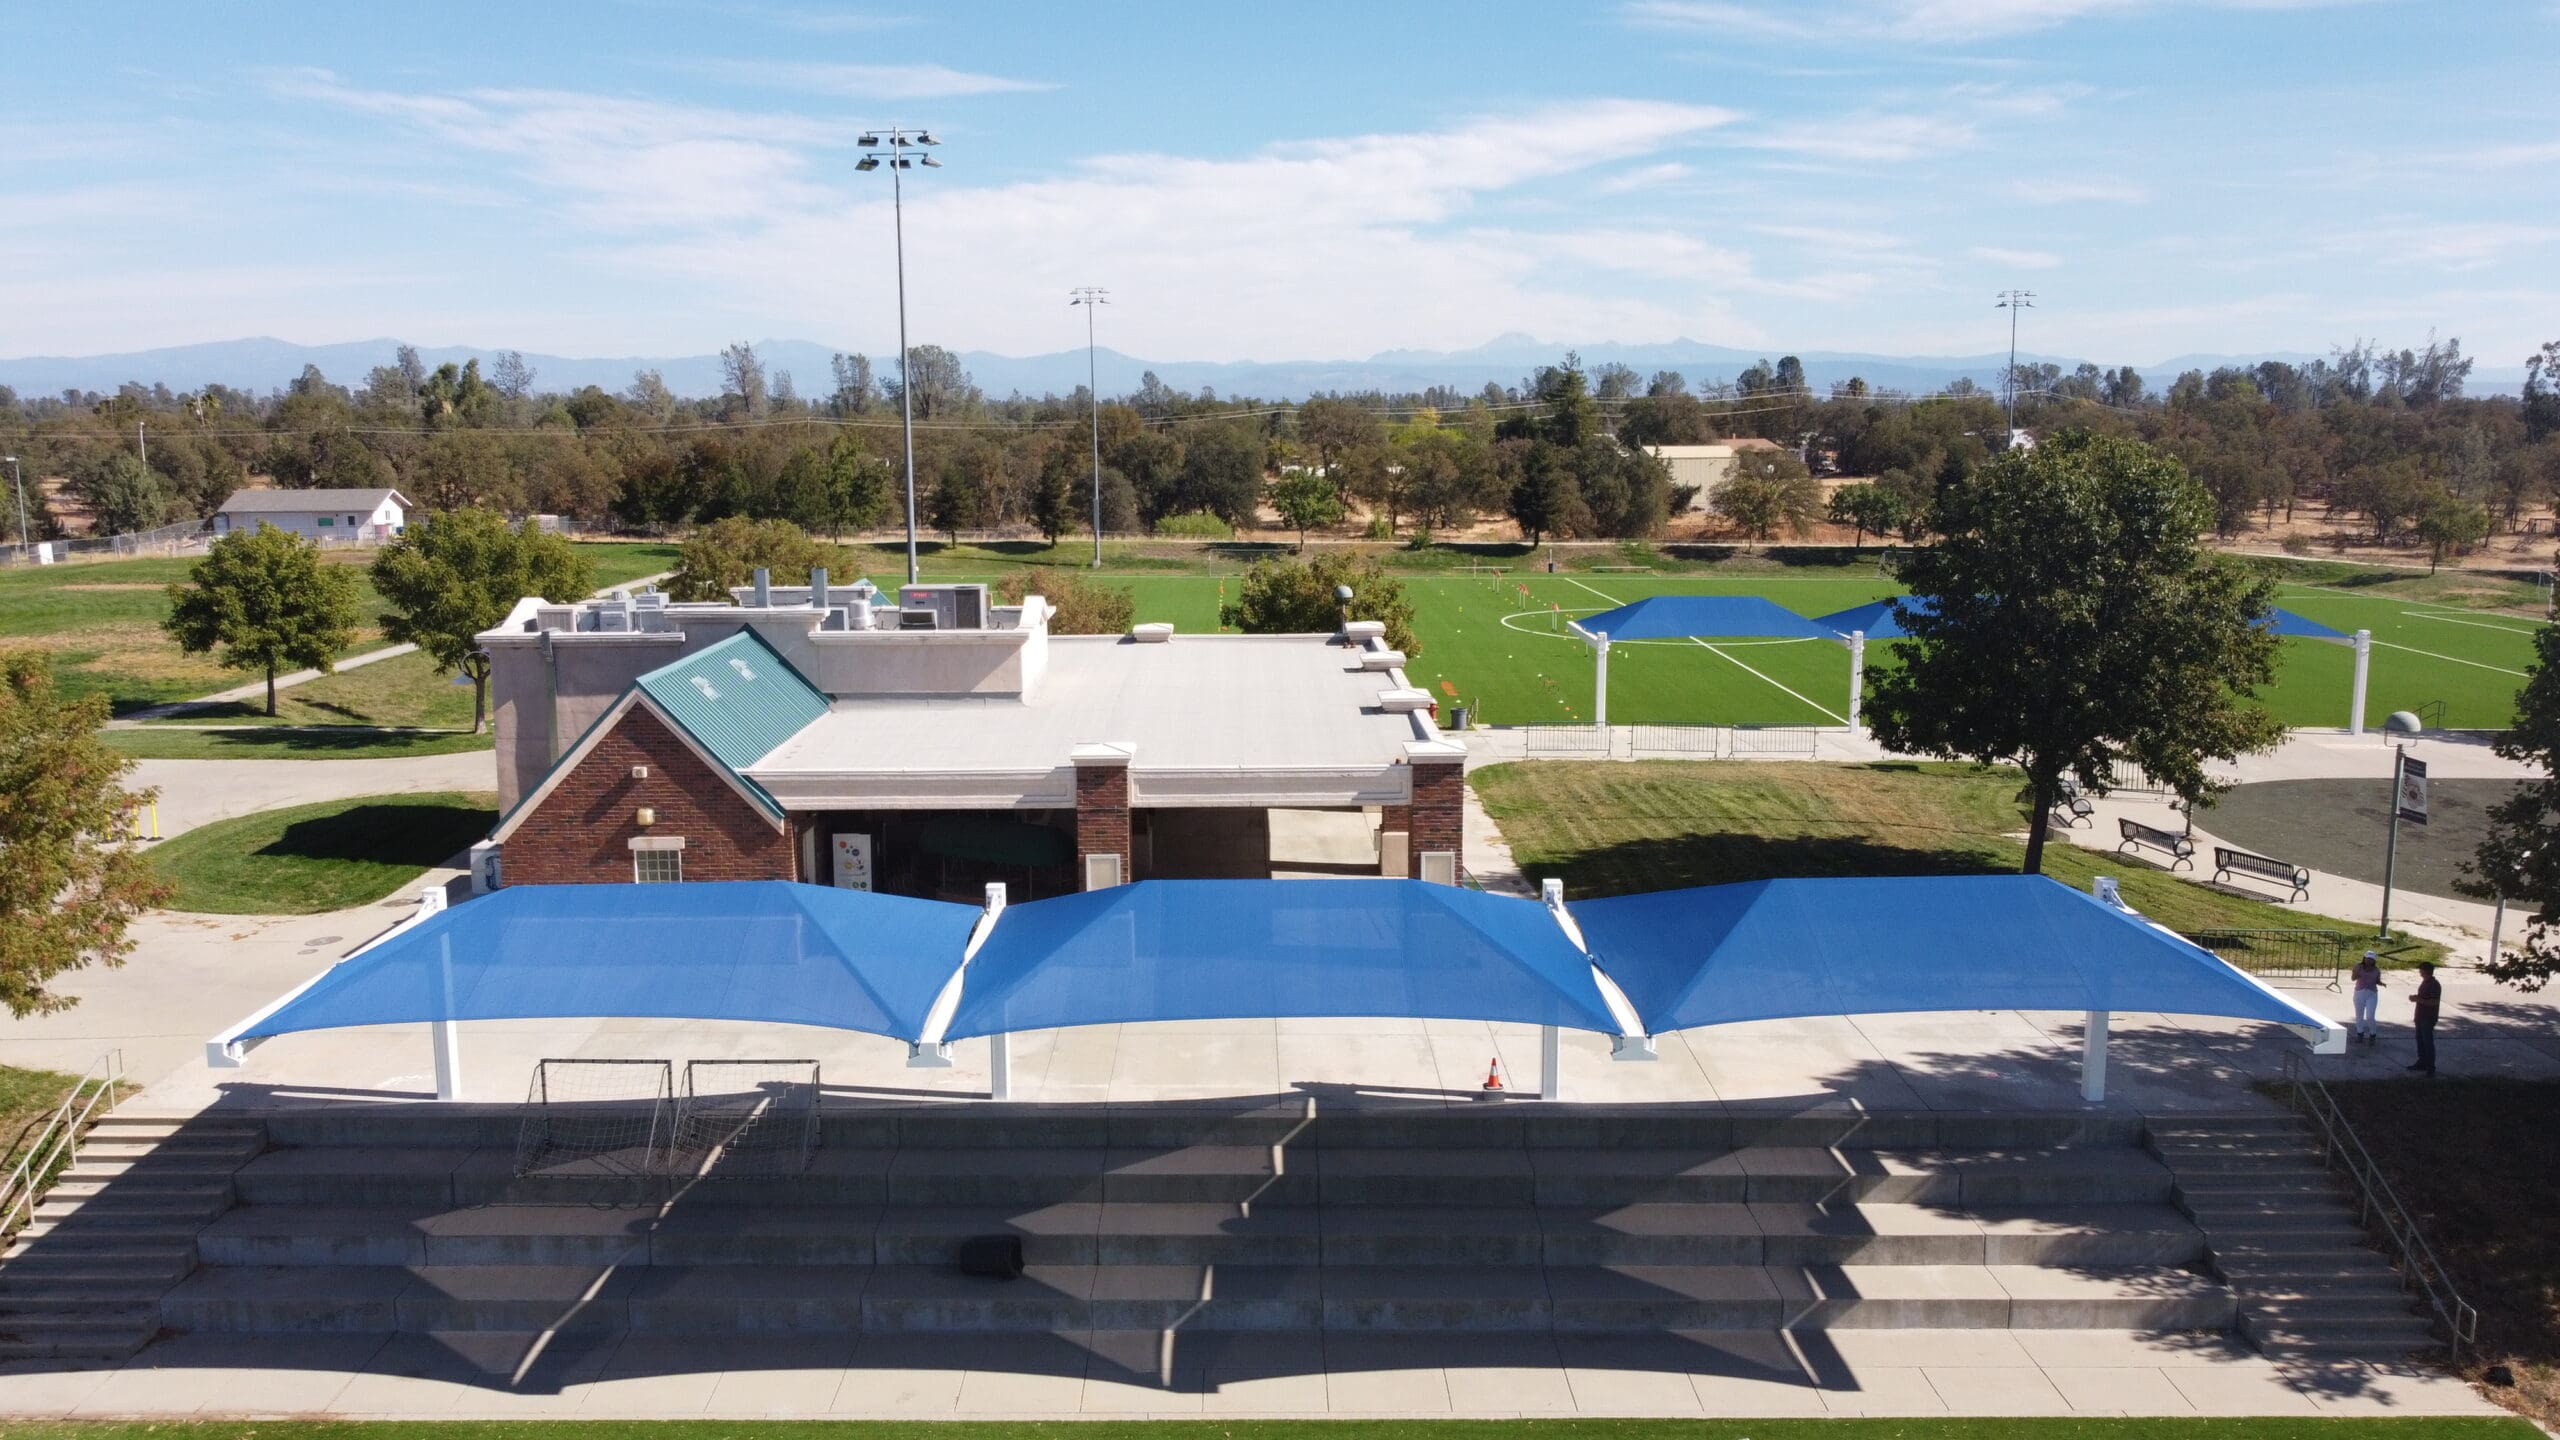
2227,861
2071,807
2179,849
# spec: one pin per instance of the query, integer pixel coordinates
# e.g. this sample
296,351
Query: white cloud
1864,138
2078,191
2016,259
1931,22
870,82
1643,177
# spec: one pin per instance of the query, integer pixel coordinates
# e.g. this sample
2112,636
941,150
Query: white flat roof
1212,720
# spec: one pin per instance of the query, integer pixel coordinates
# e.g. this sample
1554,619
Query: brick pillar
1102,805
1438,817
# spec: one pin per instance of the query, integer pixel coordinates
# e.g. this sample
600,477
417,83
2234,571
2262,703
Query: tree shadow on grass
386,832
1679,861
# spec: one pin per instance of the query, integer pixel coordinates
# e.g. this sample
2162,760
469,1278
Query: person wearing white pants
2368,992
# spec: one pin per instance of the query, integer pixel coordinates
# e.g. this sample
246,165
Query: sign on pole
2413,790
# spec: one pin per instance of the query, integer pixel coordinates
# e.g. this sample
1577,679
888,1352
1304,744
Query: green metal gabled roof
738,699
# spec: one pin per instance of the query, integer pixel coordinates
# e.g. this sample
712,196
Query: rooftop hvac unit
613,619
942,607
650,599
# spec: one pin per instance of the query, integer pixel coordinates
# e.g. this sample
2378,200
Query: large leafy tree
452,575
1304,501
69,888
2078,620
267,601
1289,597
726,553
2520,858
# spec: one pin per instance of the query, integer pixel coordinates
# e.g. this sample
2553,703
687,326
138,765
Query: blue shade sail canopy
1704,617
2285,622
1258,949
766,950
1876,618
1785,949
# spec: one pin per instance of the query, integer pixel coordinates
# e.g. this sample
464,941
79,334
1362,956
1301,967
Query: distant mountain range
265,363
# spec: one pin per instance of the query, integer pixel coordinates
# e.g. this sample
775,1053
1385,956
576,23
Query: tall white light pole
2013,301
24,539
897,142
1092,297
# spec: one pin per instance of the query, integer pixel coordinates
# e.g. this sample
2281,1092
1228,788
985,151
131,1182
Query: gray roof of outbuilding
269,502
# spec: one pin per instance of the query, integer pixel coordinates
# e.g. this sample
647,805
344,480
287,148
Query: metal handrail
59,1140
2379,1208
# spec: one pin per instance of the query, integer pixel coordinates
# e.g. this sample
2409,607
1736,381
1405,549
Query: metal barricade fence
1689,742
1772,740
2126,778
1559,742
2315,956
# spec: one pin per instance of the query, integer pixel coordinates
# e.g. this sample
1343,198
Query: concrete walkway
1016,1376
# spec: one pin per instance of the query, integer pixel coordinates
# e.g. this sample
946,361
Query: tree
2520,857
1770,489
69,889
2449,524
268,601
1296,597
858,487
726,554
456,395
1869,509
1541,496
742,381
1080,606
452,575
122,493
2079,620
1061,494
1304,501
942,384
1222,468
1334,427
854,388
512,377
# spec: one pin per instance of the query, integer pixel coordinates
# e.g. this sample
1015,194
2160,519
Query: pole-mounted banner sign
2413,790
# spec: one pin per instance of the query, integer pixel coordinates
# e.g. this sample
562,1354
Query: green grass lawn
307,859
27,1100
290,742
102,622
1616,829
2187,1427
406,691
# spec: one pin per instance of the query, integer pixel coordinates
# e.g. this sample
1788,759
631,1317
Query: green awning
993,841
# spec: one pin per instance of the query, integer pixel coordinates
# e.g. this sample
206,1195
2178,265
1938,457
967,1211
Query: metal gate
1772,740
1679,742
2315,957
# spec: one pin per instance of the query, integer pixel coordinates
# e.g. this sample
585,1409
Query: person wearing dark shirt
2428,999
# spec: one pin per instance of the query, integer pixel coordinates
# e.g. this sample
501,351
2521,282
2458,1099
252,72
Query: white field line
2450,660
2478,624
2332,592
1701,644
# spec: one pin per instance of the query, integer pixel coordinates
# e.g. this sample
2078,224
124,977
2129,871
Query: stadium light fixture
897,140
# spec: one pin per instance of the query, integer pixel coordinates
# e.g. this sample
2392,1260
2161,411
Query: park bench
2072,808
2227,861
2179,849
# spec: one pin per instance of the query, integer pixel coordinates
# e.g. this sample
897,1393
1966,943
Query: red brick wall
1439,813
581,832
1102,816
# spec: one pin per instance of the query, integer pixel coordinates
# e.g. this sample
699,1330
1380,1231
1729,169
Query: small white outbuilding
345,515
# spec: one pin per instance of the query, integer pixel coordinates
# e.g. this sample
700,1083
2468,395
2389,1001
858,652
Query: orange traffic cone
1493,1077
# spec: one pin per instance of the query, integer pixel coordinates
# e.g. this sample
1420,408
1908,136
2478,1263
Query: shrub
1286,597
1198,525
1084,606
2297,545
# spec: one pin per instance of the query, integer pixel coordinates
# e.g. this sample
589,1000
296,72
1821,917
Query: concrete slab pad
2118,1390
1996,1390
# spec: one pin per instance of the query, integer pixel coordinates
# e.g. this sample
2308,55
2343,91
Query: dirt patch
113,585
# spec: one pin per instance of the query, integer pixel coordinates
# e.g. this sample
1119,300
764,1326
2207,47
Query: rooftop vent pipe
818,586
764,587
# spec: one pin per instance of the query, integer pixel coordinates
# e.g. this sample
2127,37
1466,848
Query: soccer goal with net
746,1117
597,1117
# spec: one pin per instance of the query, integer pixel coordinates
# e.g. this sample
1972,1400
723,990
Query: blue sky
1294,181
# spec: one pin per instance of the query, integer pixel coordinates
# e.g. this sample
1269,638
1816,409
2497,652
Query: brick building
926,747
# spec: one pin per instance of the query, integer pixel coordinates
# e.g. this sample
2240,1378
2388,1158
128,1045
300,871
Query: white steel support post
1000,1067
2364,658
448,1031
1550,1063
2093,1058
1857,673
1600,686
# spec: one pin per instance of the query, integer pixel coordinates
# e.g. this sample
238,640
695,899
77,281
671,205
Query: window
351,520
326,522
657,867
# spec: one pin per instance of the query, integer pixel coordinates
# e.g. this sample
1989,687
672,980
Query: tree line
2387,439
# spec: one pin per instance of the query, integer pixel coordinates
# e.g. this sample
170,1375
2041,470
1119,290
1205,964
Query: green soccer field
1498,645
